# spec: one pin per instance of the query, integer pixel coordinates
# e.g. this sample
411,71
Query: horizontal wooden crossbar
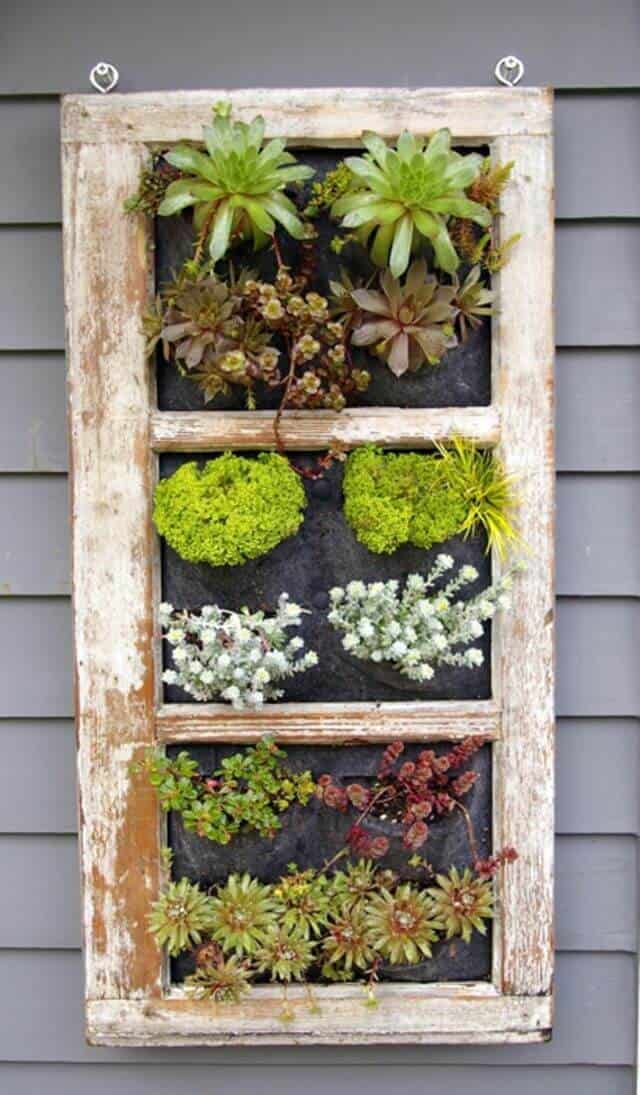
193,431
331,723
405,1013
327,116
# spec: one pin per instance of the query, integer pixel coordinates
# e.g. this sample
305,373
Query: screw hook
509,70
104,77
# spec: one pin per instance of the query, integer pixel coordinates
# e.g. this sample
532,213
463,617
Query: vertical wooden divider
522,383
106,282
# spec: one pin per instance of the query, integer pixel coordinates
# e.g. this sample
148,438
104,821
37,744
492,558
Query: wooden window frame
116,436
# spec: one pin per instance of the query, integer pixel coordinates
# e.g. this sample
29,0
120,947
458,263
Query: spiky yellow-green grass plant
488,492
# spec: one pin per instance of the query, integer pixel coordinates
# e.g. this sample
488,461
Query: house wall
593,62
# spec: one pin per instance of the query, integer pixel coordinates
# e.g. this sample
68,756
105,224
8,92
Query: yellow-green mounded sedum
392,499
231,510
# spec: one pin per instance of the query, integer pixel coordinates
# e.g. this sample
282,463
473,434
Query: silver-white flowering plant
419,627
240,657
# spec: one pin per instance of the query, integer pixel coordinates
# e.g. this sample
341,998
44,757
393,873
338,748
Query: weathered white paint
404,1014
109,394
325,116
522,640
331,722
114,430
193,431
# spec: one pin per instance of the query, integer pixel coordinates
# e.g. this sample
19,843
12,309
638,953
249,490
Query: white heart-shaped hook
509,70
104,77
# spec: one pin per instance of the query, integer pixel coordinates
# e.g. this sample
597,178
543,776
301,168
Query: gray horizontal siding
598,409
30,172
598,387
598,517
585,748
36,649
41,1002
38,794
597,289
177,1079
598,640
597,155
31,306
586,141
566,43
597,657
38,776
35,564
33,433
595,893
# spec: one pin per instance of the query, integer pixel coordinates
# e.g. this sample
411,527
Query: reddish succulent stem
470,833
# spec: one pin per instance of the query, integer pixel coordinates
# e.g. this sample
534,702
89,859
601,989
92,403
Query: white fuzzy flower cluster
418,628
239,657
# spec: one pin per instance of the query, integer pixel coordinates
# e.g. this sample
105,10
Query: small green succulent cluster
236,186
407,194
333,925
231,510
422,499
248,792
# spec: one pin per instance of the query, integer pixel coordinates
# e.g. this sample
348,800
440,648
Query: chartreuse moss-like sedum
392,499
231,510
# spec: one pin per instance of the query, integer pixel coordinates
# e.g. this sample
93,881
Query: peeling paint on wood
192,431
115,428
331,722
106,289
414,1015
326,116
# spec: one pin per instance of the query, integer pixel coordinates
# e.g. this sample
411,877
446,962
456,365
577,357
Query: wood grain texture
106,290
327,116
418,1015
329,723
193,431
523,646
